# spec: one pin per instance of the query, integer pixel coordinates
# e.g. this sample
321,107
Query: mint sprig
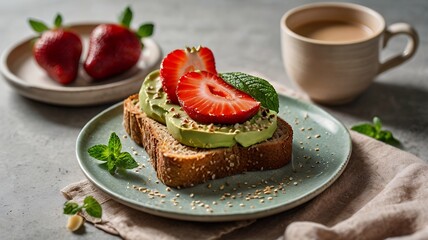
375,131
258,88
90,205
112,154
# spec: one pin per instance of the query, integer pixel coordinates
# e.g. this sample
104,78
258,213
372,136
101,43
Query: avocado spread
153,101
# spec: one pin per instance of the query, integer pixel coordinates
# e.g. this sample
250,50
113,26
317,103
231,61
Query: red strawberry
179,62
57,51
207,98
115,48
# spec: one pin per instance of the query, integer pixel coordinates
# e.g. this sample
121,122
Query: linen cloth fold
129,223
383,193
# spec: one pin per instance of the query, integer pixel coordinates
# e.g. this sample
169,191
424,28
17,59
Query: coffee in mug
334,31
331,50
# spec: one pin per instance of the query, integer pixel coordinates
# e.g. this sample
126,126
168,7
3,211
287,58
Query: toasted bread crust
178,165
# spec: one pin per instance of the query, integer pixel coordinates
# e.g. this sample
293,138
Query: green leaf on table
71,208
38,26
126,17
112,155
92,207
145,30
377,123
375,131
366,129
258,88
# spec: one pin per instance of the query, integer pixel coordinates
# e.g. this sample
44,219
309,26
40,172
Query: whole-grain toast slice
178,165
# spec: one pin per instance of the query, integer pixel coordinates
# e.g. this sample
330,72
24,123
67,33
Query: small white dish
21,71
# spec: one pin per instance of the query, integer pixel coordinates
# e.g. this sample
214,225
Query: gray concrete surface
37,141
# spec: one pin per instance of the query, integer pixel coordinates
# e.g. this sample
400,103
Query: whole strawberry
57,50
115,48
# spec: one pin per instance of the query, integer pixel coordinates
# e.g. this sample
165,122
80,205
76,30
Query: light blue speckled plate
321,150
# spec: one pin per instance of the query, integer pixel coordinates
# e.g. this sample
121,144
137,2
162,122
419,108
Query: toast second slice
178,165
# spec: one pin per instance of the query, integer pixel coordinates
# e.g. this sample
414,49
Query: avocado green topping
153,101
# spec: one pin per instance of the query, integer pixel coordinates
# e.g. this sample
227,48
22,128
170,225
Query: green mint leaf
92,207
375,131
366,129
111,166
377,123
145,30
125,160
100,152
58,20
114,144
258,88
112,155
387,137
38,26
126,17
71,208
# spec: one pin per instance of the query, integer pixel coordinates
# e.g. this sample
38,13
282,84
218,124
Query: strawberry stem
37,25
58,21
145,30
126,17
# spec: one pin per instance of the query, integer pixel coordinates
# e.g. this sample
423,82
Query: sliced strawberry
179,62
207,98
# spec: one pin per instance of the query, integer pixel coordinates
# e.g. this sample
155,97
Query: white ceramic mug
335,72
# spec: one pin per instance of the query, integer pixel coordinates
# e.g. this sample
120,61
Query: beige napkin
129,223
383,193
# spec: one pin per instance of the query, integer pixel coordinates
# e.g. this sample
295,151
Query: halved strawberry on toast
181,61
207,98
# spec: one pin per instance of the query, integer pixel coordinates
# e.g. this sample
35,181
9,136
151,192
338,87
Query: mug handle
412,44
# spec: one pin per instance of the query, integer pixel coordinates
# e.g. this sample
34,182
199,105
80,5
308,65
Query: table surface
37,144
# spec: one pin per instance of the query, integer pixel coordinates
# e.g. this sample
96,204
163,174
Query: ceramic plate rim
21,85
218,217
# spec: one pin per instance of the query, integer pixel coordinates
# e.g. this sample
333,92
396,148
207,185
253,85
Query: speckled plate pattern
321,151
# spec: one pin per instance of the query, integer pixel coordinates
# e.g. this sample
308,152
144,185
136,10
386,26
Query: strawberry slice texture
207,98
179,62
